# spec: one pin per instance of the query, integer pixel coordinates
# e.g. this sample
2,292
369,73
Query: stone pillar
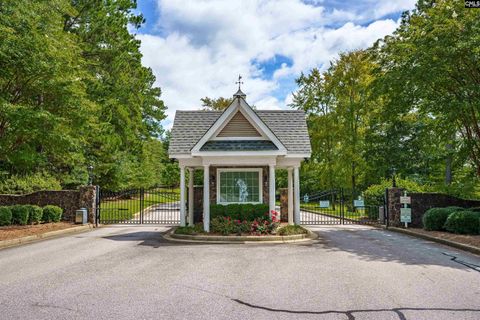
191,173
206,198
290,196
88,199
182,196
394,205
271,190
296,185
283,204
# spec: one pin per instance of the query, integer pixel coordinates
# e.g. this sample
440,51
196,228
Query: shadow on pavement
371,244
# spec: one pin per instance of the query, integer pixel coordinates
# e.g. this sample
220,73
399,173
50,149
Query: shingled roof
289,126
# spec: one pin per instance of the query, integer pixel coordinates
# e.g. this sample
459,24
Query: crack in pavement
466,264
350,313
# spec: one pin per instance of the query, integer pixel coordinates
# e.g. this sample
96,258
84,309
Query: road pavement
131,272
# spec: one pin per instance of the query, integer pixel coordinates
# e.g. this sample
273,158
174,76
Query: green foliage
5,216
248,212
222,225
434,219
74,93
291,230
52,214
218,104
409,105
29,183
20,214
463,222
35,214
196,229
374,194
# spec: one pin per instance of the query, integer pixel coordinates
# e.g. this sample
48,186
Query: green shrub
35,214
216,210
52,213
5,216
29,183
20,214
463,222
237,211
291,230
475,209
434,219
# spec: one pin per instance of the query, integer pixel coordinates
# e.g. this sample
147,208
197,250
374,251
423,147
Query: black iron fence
337,207
158,205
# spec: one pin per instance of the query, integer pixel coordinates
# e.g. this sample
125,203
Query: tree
73,92
218,104
430,64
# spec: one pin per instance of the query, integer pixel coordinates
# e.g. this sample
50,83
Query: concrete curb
450,243
171,236
44,236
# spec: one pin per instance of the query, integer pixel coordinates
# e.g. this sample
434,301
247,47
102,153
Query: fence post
141,204
386,211
97,205
342,206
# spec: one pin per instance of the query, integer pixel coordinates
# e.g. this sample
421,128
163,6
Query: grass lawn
125,209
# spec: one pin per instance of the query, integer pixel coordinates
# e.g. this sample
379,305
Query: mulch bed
13,232
473,240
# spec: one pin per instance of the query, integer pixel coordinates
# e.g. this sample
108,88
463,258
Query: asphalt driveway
350,272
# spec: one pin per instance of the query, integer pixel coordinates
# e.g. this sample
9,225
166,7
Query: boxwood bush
52,213
20,214
5,216
238,211
434,219
35,214
463,222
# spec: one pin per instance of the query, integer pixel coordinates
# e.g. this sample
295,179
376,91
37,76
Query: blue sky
197,48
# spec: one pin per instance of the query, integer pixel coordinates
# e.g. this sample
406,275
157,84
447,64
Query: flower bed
263,228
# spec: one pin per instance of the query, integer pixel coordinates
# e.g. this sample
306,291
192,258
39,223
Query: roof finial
239,81
239,93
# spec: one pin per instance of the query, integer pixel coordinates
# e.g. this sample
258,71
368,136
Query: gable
238,126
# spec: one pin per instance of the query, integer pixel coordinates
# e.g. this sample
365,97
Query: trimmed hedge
20,214
463,222
5,216
52,213
35,214
237,211
434,219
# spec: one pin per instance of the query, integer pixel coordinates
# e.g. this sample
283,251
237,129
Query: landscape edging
450,243
44,236
240,239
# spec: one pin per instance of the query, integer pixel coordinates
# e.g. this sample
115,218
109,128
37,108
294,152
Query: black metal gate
333,207
159,205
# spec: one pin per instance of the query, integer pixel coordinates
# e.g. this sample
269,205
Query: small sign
358,203
325,204
406,215
306,198
405,200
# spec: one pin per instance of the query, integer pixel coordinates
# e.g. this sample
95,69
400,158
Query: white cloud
204,45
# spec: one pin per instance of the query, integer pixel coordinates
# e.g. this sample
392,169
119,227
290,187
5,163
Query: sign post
405,212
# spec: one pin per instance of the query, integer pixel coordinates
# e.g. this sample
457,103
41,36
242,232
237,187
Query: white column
191,173
206,198
296,185
182,196
290,196
271,189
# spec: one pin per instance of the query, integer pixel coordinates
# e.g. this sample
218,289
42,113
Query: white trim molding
239,104
260,184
